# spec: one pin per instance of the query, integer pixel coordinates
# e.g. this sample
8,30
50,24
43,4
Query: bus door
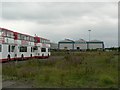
11,52
15,51
36,50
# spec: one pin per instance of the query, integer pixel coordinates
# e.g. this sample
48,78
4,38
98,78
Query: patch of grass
106,81
74,69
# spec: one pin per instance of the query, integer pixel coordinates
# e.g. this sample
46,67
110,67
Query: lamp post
89,34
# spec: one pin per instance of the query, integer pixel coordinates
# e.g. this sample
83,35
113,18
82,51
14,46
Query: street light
89,34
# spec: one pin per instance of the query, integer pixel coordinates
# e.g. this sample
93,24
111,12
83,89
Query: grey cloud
57,21
51,12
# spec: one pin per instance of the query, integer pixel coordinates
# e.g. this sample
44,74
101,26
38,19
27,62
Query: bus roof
22,33
6,29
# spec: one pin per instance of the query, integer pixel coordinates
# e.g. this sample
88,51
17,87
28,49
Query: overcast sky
60,20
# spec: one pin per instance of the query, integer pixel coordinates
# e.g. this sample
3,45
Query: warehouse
95,44
80,44
66,44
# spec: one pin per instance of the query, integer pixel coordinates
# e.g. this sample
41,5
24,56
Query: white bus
24,46
15,46
42,47
7,45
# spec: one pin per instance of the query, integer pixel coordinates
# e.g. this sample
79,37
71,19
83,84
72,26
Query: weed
106,80
62,69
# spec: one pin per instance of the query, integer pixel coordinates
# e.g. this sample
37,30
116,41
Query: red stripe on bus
19,58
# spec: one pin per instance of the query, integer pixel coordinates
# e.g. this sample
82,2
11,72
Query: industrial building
80,44
66,44
95,44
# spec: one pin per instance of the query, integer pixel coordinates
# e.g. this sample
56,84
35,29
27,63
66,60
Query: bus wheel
30,55
22,57
8,58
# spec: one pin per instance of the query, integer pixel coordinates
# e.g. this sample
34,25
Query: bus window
4,33
12,48
25,37
19,37
32,39
0,48
43,50
22,37
9,34
35,48
23,49
28,38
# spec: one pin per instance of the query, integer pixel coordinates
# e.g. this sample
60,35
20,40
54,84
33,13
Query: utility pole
89,34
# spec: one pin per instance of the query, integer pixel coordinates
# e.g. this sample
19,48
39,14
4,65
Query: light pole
89,34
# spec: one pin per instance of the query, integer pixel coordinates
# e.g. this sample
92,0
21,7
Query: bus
24,46
15,46
7,45
42,47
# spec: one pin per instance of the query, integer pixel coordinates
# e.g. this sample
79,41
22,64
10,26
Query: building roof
80,40
95,41
66,40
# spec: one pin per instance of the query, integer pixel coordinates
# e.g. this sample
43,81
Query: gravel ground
15,84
